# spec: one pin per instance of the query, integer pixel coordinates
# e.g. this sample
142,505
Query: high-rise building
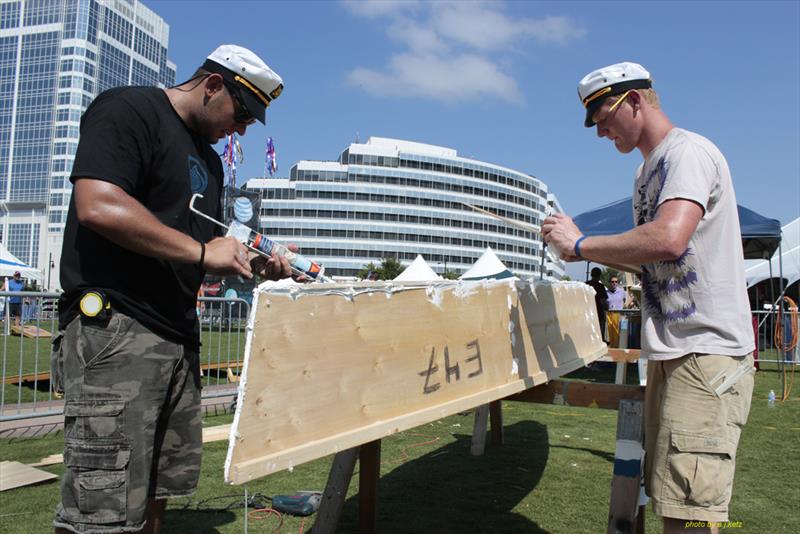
55,57
393,198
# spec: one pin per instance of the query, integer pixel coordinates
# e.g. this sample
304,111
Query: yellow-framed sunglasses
614,106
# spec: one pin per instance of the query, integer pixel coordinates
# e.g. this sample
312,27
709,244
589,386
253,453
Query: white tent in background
9,264
487,266
418,271
758,270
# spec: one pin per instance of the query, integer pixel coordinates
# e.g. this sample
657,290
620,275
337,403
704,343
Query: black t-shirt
132,137
601,295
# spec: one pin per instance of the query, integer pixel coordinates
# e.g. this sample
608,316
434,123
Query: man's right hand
225,256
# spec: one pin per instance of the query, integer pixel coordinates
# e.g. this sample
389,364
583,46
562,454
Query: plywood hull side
331,367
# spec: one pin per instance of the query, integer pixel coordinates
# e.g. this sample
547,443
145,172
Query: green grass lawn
552,475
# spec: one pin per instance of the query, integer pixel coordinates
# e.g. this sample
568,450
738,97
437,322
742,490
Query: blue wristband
577,249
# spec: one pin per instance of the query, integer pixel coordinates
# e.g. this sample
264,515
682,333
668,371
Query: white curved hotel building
392,198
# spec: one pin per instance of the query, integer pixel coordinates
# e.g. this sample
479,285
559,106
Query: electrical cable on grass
266,513
404,451
237,501
261,511
786,347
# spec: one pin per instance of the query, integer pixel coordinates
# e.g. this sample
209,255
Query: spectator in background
616,295
15,303
600,299
616,301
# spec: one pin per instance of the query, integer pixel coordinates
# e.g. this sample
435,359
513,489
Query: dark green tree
390,269
450,275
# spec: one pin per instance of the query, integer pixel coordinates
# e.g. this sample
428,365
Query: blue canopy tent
761,236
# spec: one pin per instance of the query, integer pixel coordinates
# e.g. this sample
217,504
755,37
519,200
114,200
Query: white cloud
453,48
483,27
453,79
380,8
417,38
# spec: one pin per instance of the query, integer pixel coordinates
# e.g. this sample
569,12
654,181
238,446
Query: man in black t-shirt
133,260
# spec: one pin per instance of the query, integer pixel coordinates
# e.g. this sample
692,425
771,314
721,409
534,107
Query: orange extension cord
789,346
266,513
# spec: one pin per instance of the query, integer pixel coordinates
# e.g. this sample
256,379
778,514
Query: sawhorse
625,516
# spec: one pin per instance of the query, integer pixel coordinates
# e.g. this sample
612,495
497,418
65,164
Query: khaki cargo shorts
691,434
132,422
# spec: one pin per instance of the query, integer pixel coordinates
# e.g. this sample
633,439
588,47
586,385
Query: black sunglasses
240,113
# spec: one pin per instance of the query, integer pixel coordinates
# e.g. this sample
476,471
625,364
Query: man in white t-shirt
616,302
696,327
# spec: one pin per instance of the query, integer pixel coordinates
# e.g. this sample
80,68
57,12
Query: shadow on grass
199,521
448,490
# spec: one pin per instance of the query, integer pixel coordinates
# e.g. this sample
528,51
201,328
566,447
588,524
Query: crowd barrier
25,390
25,343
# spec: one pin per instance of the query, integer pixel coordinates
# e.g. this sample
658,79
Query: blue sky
497,81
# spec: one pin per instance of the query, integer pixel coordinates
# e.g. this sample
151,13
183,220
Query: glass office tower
393,198
55,57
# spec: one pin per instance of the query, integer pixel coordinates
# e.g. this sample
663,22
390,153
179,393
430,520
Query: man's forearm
664,238
637,269
644,244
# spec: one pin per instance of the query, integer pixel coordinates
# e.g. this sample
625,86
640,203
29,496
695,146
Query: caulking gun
261,244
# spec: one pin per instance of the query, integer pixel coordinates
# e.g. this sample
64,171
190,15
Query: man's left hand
560,232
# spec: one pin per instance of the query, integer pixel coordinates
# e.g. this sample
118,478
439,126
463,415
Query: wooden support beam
585,394
478,446
484,414
627,479
621,373
622,355
369,473
496,417
330,509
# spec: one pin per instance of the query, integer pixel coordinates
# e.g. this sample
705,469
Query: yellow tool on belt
95,305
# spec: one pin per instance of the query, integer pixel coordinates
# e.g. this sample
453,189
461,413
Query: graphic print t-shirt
133,138
697,303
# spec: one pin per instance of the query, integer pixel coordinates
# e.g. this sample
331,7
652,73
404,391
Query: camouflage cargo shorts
132,422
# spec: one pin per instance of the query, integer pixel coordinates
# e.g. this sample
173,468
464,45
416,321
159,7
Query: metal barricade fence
29,321
223,332
766,322
25,342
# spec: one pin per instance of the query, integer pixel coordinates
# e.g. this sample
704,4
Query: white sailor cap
257,84
598,85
